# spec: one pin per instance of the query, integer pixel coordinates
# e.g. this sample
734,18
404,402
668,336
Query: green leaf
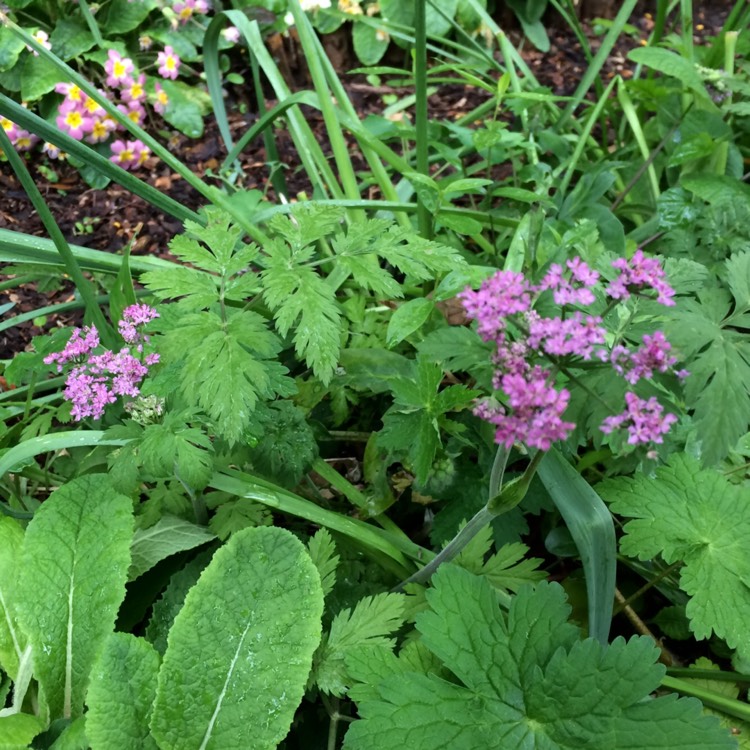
168,536
508,570
671,64
39,77
187,107
525,680
70,38
225,367
372,619
323,554
18,730
122,690
11,47
370,43
124,16
301,299
718,359
413,424
174,449
241,647
73,579
237,514
165,608
373,369
122,294
73,737
12,640
408,318
694,515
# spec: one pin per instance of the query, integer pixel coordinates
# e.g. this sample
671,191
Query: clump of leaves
528,681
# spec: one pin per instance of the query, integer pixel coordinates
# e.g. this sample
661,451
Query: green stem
498,469
16,282
424,218
91,23
709,698
646,587
452,549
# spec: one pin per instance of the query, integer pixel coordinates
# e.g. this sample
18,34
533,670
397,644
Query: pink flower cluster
533,410
98,379
186,9
21,139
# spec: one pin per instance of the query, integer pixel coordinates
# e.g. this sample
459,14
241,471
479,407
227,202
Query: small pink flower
231,34
168,62
161,99
118,69
643,418
135,90
52,151
43,38
25,141
185,9
123,154
73,121
10,128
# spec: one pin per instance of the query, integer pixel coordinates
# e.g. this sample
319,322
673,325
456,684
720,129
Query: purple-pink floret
638,273
644,418
534,408
101,378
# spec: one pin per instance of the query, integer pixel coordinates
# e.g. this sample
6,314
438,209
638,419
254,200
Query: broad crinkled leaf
526,681
12,640
368,624
697,516
168,536
74,559
18,730
121,693
240,649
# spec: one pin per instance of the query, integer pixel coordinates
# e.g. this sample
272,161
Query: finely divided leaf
12,640
323,554
524,680
367,625
697,516
75,558
121,693
300,298
240,649
168,536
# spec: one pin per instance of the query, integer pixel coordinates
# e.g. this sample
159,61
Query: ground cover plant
451,451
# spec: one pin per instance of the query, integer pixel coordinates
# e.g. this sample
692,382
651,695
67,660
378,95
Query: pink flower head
123,154
503,294
52,151
168,62
134,90
185,9
42,37
231,34
536,409
576,335
134,111
643,418
161,99
100,130
133,316
81,343
118,69
653,356
573,291
71,91
638,273
75,122
10,128
25,140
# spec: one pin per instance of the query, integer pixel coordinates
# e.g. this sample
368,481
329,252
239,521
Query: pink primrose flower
168,62
118,69
123,154
75,122
135,90
161,99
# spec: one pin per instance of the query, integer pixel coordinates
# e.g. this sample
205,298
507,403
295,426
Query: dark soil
108,219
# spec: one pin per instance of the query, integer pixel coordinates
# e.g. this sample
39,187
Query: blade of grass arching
311,155
628,109
244,485
333,128
600,58
35,124
424,217
213,80
212,194
590,524
581,142
16,247
85,288
510,53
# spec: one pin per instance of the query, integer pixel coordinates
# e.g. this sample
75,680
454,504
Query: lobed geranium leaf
73,579
524,680
121,693
697,516
240,649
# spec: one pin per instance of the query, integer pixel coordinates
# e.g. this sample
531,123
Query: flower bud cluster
96,380
533,408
